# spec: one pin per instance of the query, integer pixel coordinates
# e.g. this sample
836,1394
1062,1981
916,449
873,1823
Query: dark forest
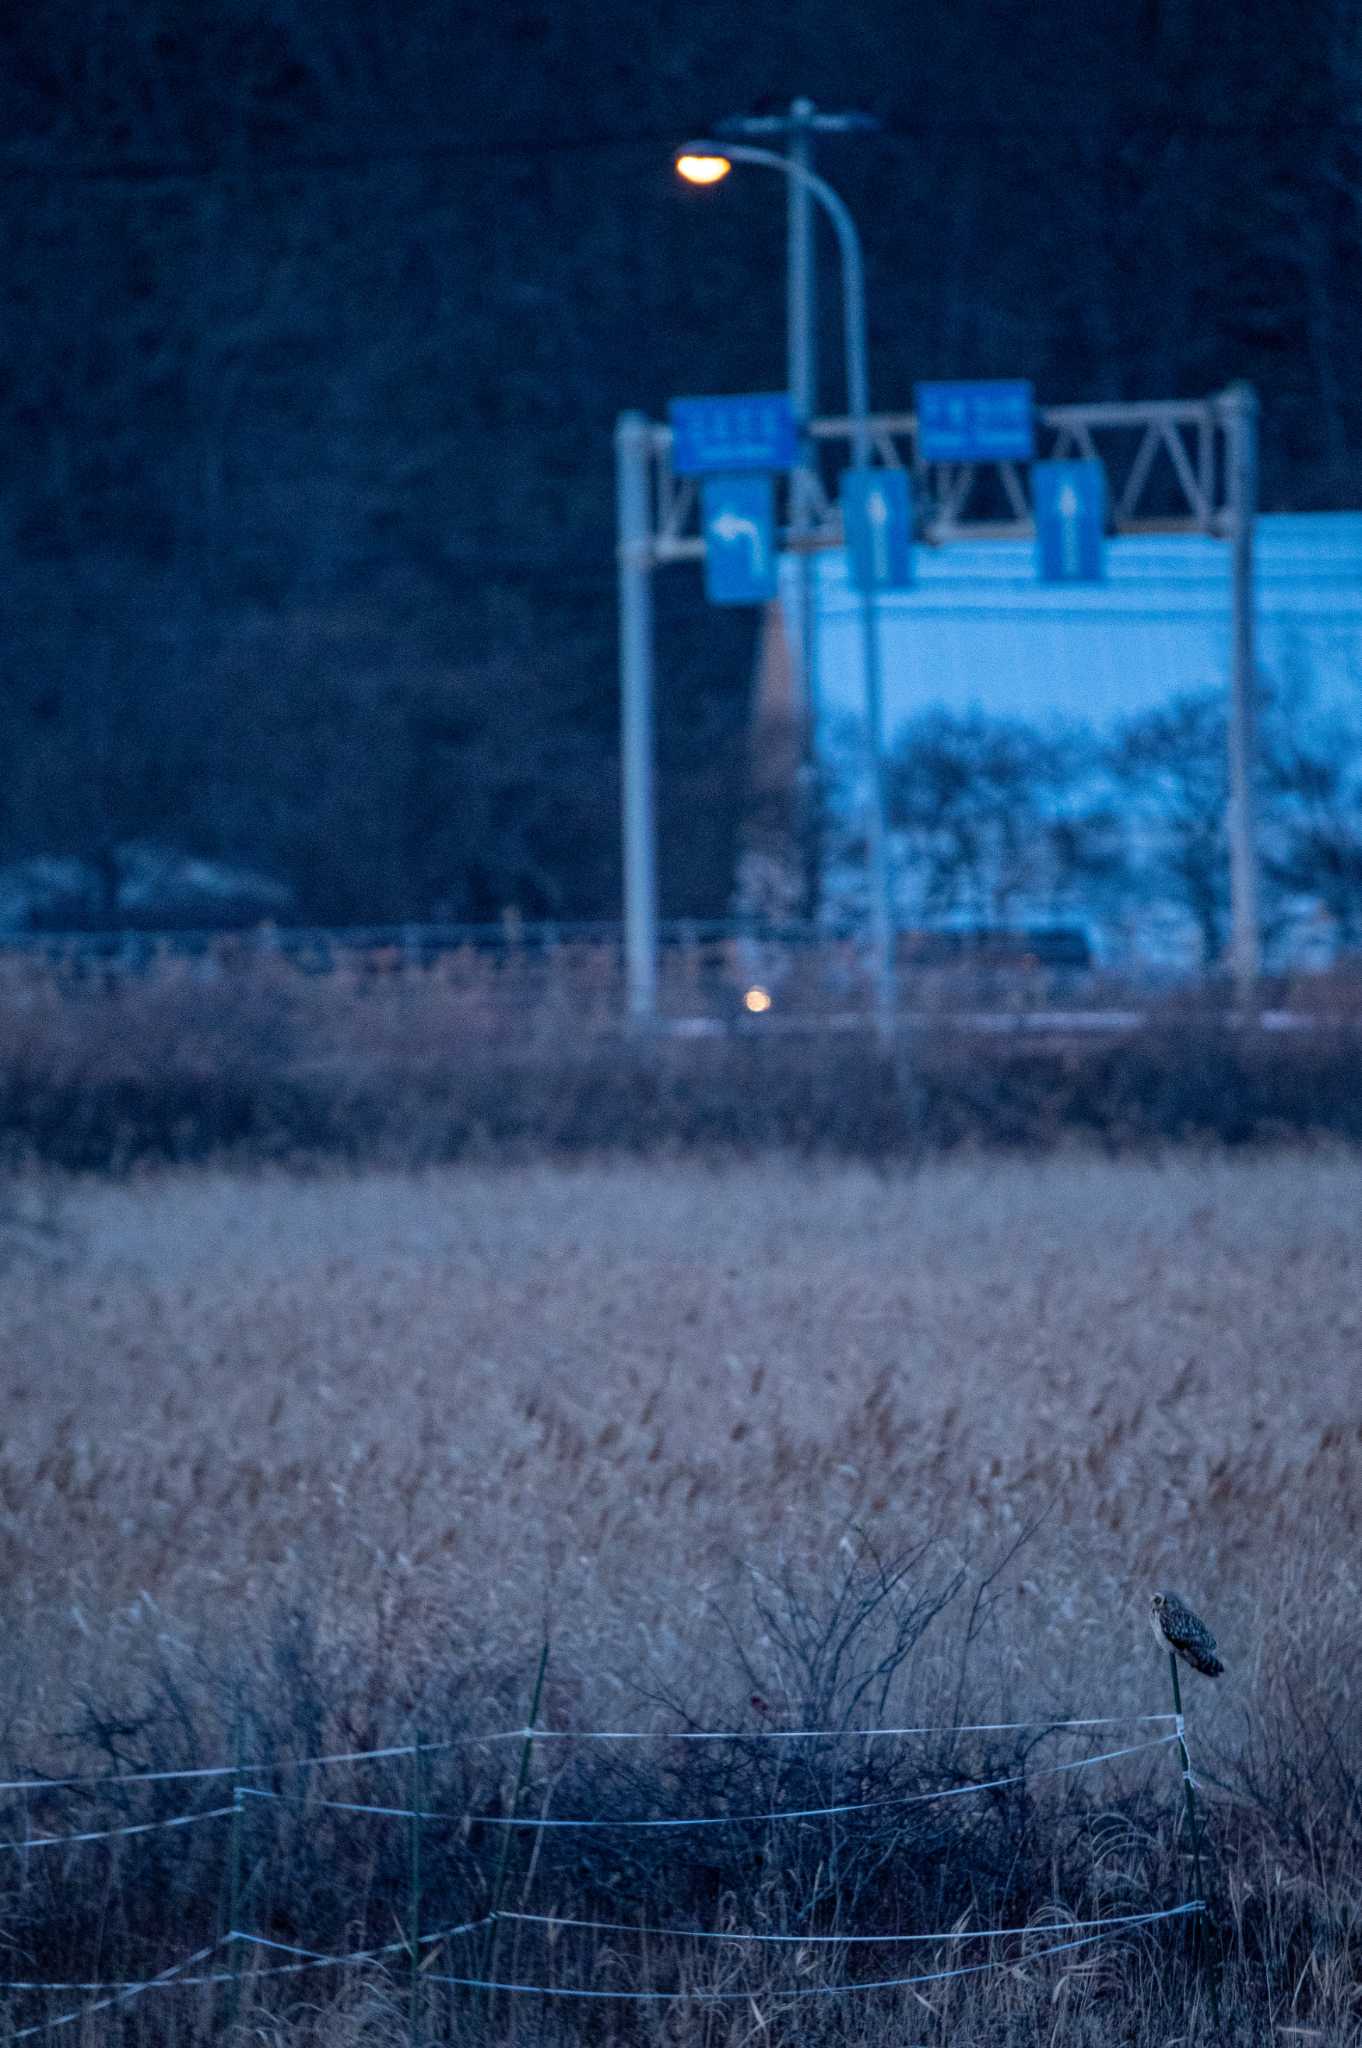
320,316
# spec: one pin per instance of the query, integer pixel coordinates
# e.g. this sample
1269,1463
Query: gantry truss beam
1169,466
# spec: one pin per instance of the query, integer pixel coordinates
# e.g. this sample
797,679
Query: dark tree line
996,822
320,317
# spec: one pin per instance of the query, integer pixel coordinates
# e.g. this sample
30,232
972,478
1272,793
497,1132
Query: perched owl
1176,1628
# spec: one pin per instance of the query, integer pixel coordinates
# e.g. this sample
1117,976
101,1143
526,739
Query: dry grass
343,1449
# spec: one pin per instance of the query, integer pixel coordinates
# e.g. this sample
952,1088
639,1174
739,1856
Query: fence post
414,1895
1203,1923
499,1882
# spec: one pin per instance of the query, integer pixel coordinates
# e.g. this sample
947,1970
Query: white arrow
877,513
1070,553
733,527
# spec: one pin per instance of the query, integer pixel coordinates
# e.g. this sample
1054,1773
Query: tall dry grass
328,1459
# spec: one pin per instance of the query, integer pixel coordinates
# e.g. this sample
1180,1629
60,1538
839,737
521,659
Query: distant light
757,1000
702,170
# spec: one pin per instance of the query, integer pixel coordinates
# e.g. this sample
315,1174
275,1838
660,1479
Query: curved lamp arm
853,274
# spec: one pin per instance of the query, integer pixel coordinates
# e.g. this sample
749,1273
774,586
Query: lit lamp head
702,166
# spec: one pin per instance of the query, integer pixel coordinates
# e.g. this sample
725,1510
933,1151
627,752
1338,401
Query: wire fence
237,1945
142,1827
702,1994
40,1781
723,1820
174,1977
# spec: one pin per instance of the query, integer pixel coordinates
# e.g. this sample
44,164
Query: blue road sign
990,422
723,434
738,520
877,525
1070,504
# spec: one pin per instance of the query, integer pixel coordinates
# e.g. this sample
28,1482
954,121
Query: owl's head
1162,1600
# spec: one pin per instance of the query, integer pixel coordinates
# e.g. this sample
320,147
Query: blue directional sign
877,525
1070,504
738,520
990,422
712,435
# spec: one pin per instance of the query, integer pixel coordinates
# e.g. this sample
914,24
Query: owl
1176,1628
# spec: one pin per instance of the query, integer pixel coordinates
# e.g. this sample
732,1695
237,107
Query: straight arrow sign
877,525
1070,501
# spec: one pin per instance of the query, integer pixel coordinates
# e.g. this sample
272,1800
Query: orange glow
703,170
757,1000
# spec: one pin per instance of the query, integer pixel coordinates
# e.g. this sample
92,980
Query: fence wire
700,1996
142,1827
263,1766
716,1820
174,1977
183,1974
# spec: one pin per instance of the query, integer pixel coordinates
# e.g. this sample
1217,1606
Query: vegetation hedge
271,1064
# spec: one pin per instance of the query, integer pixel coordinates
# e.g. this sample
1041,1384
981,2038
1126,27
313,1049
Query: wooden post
1203,1923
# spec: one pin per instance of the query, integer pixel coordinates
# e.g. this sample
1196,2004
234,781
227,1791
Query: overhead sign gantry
1064,475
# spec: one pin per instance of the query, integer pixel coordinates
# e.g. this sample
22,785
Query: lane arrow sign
738,521
1070,503
877,525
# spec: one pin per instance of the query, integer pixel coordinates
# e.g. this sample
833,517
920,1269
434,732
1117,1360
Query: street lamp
698,168
706,163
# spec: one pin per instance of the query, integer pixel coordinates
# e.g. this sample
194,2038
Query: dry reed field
303,1465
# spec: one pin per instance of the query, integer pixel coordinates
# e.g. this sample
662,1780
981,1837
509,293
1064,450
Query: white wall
977,632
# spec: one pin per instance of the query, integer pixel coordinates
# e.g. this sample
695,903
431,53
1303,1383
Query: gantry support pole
1238,408
633,450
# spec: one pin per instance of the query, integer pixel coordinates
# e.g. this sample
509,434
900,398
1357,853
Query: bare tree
1314,787
1169,765
993,818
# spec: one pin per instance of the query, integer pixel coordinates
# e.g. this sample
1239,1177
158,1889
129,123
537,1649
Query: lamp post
795,131
706,163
